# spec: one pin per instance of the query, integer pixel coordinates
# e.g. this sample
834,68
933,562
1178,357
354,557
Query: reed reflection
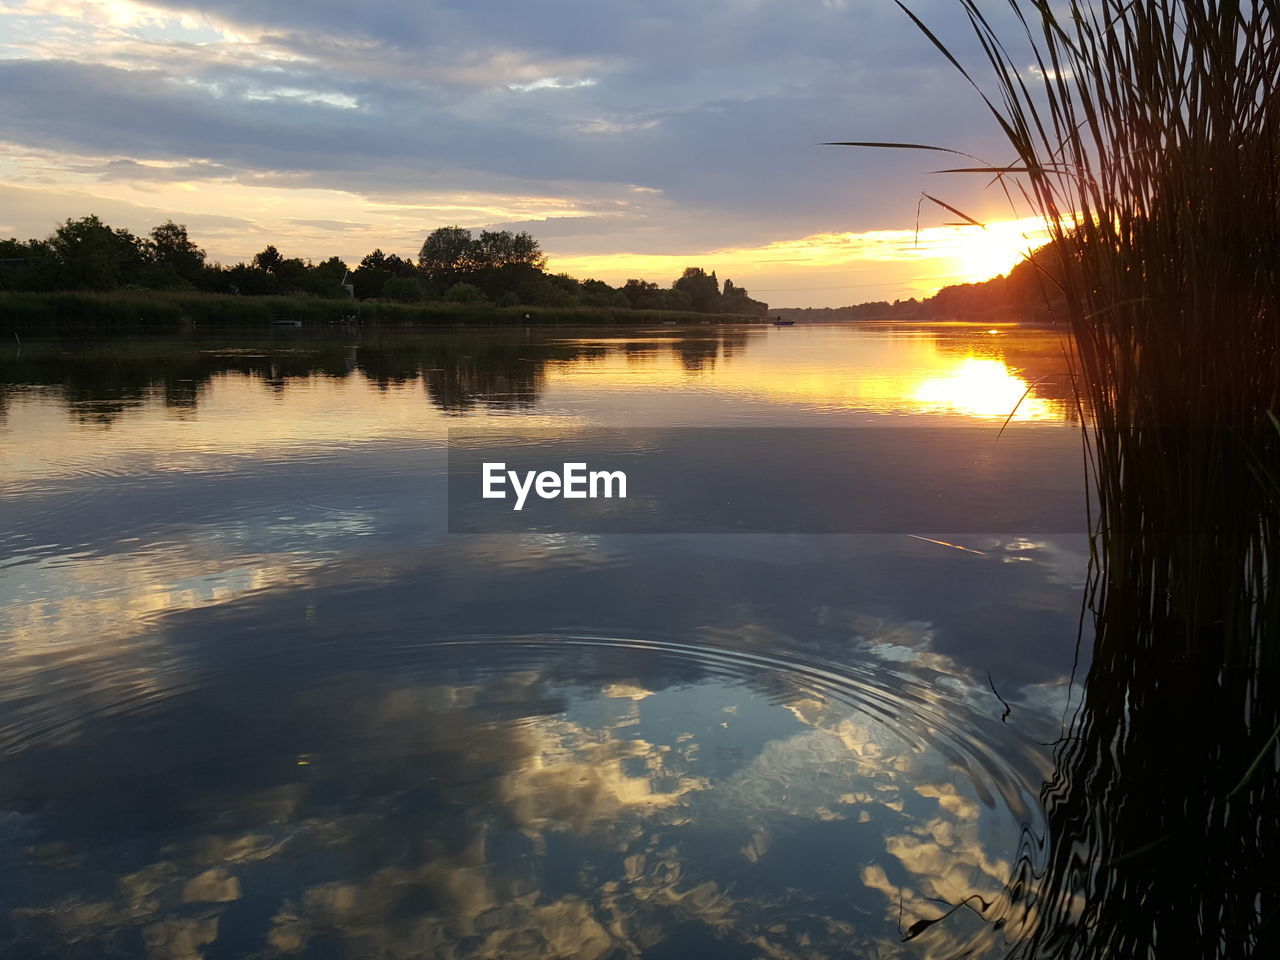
1164,810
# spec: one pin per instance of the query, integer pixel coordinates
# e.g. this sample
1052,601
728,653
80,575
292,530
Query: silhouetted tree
464,293
735,300
504,267
596,293
92,256
501,248
445,253
370,278
251,281
170,245
406,289
636,290
269,260
28,265
325,278
703,289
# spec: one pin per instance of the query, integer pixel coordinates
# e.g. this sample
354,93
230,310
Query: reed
1150,147
1146,136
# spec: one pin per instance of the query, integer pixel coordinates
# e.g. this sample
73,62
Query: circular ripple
532,796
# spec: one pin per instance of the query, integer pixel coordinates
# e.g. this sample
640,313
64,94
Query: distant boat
285,322
784,323
349,318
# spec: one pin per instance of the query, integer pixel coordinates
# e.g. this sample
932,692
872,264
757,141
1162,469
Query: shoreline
34,313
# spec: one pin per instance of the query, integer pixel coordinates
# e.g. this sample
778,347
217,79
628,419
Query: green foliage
92,256
170,247
251,281
498,267
445,253
496,249
131,309
269,260
643,295
324,279
464,293
290,273
28,265
703,289
560,290
370,278
671,299
596,293
636,290
451,254
404,289
735,300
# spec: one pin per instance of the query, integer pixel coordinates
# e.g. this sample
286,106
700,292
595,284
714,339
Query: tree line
453,265
1026,293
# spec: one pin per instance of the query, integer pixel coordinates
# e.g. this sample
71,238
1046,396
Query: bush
464,293
404,290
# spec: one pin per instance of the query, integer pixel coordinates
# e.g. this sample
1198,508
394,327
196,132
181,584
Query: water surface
255,700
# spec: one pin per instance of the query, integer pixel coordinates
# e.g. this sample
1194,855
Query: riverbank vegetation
495,277
142,309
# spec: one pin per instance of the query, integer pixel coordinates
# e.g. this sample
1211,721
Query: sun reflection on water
984,387
907,371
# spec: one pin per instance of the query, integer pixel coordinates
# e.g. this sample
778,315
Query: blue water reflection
255,701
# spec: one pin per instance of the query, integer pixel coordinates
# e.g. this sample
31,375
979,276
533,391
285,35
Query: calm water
255,700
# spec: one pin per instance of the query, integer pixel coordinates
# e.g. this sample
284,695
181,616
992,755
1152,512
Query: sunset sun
980,254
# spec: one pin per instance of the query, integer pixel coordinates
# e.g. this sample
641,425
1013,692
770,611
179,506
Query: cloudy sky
631,138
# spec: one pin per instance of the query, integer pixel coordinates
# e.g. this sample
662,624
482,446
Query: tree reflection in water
463,371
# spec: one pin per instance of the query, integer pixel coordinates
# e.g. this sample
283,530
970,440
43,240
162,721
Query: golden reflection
96,622
625,380
235,416
840,368
58,608
984,387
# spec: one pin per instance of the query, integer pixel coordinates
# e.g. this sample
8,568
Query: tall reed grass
1147,134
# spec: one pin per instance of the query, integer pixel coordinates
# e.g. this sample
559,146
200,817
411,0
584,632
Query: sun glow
981,254
921,261
913,375
984,387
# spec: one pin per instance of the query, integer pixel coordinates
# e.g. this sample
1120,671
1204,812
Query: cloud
551,83
35,213
717,110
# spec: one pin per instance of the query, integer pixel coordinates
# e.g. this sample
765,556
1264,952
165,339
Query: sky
632,138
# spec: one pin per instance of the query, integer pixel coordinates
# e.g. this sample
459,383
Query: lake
271,685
